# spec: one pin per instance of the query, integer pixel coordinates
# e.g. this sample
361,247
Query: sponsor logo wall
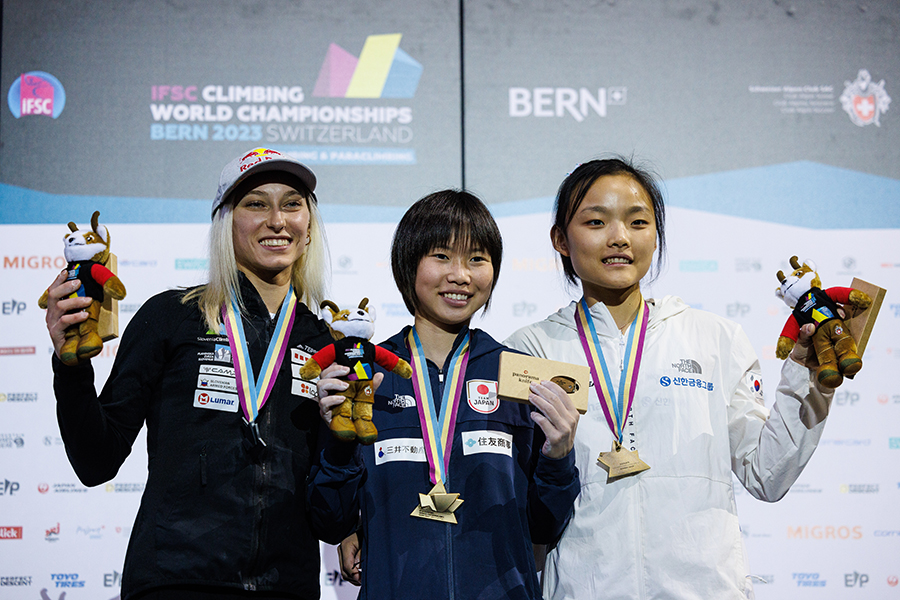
773,125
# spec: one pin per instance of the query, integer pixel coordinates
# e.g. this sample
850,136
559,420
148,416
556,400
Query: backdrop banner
771,125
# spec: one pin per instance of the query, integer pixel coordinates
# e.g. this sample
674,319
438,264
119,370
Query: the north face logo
687,365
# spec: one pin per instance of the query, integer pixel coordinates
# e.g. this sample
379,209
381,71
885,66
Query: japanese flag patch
482,396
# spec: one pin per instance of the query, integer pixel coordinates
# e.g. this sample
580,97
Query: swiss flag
864,107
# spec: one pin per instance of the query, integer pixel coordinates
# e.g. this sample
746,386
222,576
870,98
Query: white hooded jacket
698,415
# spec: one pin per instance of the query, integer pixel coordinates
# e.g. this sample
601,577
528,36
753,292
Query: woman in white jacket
680,407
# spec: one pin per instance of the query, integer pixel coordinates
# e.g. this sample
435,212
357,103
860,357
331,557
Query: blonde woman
231,435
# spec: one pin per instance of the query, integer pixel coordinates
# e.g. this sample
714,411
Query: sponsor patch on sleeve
215,400
300,387
217,370
399,449
222,354
299,357
493,442
213,382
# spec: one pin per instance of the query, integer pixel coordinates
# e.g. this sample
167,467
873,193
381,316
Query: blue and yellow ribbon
437,430
616,408
252,395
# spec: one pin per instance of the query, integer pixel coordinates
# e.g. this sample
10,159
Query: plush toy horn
795,263
73,227
328,316
780,276
364,305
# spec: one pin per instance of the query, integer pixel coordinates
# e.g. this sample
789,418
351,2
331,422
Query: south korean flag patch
482,396
754,382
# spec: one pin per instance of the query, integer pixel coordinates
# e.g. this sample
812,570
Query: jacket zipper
203,466
637,526
450,578
448,533
257,497
260,480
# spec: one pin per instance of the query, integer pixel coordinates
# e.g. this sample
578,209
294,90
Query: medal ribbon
252,395
437,430
615,408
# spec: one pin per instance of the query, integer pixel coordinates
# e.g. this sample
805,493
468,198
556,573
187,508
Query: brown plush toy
88,253
835,347
352,329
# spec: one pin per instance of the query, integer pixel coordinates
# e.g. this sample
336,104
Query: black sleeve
98,431
552,490
334,488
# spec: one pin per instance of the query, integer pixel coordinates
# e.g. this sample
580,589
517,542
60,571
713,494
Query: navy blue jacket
512,493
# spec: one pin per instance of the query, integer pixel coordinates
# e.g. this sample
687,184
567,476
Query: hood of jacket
660,310
480,343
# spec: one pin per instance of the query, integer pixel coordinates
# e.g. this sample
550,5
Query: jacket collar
479,343
254,305
660,310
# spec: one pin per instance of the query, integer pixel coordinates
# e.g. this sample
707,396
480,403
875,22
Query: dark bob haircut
576,185
451,219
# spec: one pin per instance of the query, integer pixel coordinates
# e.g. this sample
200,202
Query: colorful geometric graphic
36,94
382,70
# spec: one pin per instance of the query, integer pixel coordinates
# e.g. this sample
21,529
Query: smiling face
452,285
269,228
611,238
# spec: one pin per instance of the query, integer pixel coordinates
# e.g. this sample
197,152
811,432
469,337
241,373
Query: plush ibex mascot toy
352,329
87,252
835,348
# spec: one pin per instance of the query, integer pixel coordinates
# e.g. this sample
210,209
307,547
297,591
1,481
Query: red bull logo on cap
258,155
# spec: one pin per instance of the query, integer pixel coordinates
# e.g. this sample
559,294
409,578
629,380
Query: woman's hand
58,307
348,554
803,353
329,386
557,418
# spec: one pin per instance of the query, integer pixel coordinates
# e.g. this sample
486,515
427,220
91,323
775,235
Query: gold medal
437,430
621,462
437,505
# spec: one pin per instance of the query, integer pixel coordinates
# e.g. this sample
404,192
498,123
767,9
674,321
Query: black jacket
212,514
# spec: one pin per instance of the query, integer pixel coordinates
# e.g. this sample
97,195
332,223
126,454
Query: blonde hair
309,275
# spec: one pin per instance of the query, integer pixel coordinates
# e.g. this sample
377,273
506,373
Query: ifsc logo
36,93
865,101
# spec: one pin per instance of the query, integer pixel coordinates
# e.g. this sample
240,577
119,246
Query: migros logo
383,70
34,262
825,532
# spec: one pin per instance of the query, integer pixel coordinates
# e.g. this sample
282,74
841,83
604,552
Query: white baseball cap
260,160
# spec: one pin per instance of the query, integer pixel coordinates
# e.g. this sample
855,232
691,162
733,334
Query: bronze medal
621,462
